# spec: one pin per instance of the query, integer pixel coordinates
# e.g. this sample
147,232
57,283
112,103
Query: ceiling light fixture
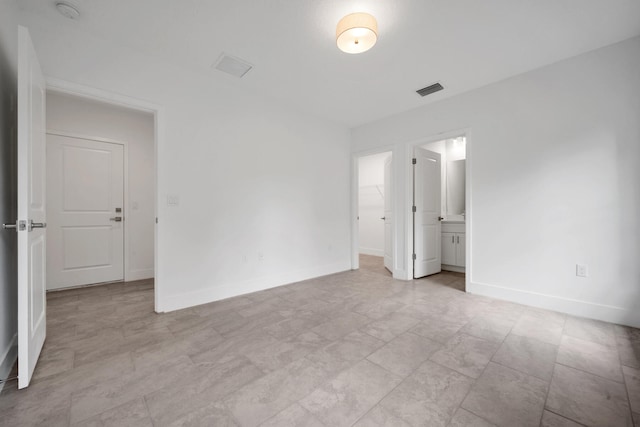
67,10
356,33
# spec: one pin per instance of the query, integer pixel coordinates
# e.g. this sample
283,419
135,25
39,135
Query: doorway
33,120
101,192
375,212
440,213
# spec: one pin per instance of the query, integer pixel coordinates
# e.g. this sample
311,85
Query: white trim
454,268
66,87
371,251
607,313
355,228
204,296
84,136
468,207
397,273
126,274
140,274
62,86
8,359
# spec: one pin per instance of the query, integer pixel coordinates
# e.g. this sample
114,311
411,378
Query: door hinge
156,220
414,257
413,161
413,208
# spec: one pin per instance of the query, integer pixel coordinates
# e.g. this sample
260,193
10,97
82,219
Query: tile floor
355,348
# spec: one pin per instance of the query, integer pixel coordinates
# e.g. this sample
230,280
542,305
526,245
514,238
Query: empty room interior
320,213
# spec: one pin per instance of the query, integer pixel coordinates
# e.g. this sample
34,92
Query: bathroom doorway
439,207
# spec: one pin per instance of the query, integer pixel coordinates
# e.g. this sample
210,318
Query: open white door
426,217
32,298
388,215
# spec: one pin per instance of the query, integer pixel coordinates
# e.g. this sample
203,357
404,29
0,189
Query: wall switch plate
173,200
581,270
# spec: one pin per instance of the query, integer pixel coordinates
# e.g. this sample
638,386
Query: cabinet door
460,249
449,248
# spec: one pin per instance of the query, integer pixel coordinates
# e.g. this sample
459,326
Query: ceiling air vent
430,89
230,65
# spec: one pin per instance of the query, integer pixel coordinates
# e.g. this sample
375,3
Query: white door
85,205
426,219
388,216
32,297
449,248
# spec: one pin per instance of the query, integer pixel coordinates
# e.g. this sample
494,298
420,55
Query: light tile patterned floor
355,348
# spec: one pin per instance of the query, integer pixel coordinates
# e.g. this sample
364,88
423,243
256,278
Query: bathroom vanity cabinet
453,246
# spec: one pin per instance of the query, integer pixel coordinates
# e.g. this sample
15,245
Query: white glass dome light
357,33
67,10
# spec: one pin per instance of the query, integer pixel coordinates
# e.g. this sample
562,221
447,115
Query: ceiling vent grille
230,65
430,89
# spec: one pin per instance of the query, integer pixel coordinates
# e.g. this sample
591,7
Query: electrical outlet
581,270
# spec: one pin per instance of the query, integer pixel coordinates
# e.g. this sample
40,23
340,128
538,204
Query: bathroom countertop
453,221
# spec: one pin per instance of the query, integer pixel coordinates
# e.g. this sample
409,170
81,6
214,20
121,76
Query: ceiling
464,44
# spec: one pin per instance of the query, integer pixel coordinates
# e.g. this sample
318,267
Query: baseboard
8,359
453,268
142,274
204,296
371,251
607,313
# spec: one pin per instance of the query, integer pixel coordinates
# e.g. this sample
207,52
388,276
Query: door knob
383,218
33,225
440,218
18,226
116,219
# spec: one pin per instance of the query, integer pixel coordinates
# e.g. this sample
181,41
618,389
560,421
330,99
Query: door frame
355,204
466,132
81,91
125,194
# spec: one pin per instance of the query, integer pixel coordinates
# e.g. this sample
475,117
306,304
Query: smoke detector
67,10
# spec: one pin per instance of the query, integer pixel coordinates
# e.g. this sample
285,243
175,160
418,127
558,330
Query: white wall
371,204
253,177
555,166
96,119
8,197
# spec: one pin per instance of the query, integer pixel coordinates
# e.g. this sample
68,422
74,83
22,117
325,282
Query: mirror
455,187
452,154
